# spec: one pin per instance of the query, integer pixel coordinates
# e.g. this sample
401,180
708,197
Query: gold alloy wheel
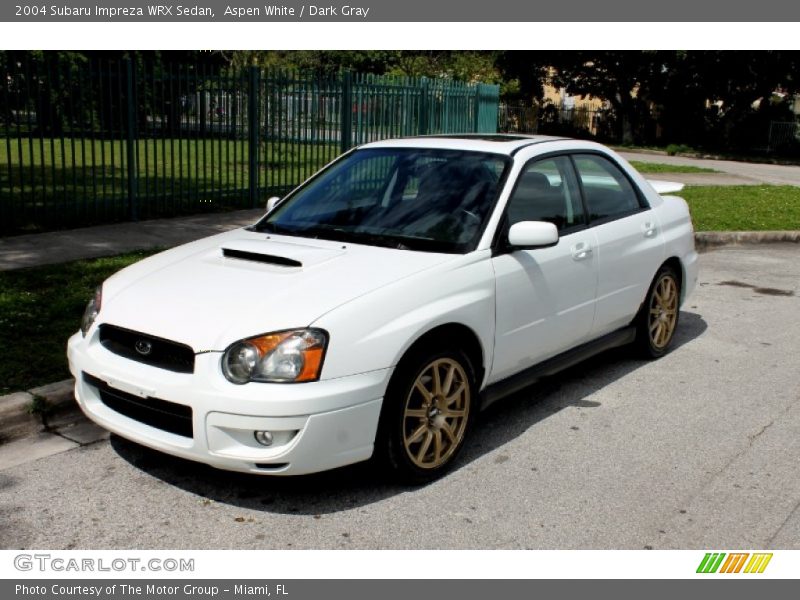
663,311
436,413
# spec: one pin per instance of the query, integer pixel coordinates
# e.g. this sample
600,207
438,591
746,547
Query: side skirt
551,366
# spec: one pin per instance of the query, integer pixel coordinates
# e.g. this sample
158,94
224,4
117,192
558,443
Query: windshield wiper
269,227
375,239
338,234
356,237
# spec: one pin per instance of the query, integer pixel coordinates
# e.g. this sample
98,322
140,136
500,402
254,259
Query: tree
705,98
461,65
524,74
623,78
724,98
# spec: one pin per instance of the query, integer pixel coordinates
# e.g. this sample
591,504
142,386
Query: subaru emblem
143,347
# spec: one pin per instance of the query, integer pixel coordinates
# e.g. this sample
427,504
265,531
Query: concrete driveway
697,450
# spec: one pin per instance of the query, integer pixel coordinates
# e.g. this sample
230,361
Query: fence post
769,137
347,111
130,141
253,126
478,98
422,124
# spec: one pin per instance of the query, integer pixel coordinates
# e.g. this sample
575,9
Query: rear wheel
428,410
658,319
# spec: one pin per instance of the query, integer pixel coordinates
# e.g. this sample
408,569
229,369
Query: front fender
375,330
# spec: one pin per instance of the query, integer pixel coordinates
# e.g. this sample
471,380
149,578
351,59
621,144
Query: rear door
544,297
629,240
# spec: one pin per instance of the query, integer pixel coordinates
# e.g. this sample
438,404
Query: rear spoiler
666,187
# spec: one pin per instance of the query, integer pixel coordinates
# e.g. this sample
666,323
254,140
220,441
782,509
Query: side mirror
532,234
272,202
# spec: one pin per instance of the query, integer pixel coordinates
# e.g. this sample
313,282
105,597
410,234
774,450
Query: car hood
210,293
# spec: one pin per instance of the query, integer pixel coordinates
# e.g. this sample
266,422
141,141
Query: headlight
284,356
92,310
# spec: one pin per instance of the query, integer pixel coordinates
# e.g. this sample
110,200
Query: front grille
161,353
167,416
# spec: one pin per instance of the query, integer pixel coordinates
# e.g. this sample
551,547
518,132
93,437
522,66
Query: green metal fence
99,141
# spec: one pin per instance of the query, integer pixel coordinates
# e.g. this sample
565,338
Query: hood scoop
269,259
294,254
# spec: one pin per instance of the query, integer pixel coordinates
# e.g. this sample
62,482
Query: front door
545,297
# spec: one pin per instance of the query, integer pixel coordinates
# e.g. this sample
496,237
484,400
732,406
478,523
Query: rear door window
608,192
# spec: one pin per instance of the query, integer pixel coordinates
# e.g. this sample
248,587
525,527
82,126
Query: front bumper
316,426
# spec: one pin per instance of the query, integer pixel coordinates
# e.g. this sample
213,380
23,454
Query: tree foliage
705,98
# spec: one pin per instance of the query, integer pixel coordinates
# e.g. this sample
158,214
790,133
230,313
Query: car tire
658,318
428,411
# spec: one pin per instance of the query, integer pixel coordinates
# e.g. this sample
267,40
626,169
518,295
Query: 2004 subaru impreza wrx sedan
380,305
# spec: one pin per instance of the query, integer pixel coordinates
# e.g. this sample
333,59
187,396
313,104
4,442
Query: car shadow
363,484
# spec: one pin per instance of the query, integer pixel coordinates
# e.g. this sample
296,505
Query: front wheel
658,319
428,410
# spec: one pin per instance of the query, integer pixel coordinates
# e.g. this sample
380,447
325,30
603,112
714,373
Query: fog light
263,437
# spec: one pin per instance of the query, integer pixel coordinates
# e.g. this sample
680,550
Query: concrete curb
710,239
16,416
27,413
19,419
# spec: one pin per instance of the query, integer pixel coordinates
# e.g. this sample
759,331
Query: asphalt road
700,449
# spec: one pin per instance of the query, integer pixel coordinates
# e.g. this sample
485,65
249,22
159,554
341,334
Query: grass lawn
56,183
744,207
83,163
648,167
39,309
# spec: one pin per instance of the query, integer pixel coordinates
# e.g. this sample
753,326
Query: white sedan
377,308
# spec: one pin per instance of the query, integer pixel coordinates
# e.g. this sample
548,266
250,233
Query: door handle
649,229
581,251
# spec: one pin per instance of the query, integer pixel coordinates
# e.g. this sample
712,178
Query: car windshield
432,200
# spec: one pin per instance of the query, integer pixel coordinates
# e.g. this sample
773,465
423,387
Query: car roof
496,143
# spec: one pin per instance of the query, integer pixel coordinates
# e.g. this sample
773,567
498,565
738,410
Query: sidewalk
729,172
31,250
